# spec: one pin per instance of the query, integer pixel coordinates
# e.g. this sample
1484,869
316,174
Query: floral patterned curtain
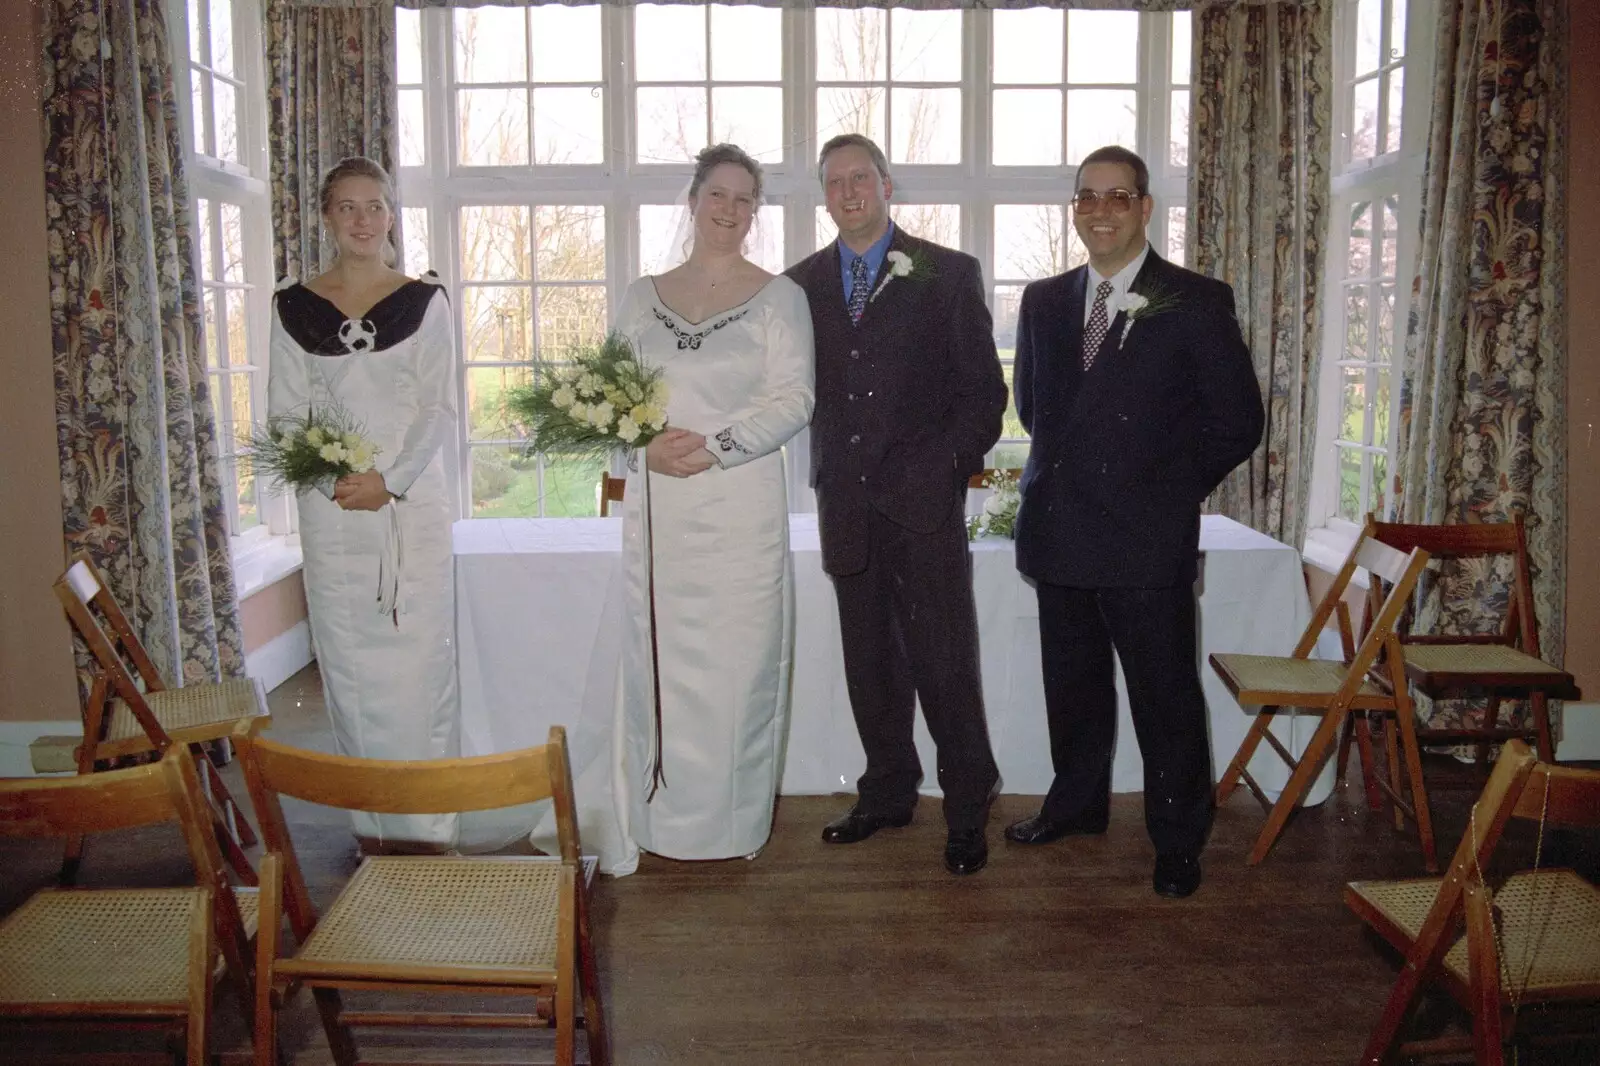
1259,150
134,424
330,94
1482,402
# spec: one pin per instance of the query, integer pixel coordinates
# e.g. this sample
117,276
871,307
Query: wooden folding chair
516,925
128,958
1501,666
611,489
985,479
1273,683
144,714
1534,941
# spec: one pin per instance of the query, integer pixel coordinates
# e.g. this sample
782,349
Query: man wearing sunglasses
1140,396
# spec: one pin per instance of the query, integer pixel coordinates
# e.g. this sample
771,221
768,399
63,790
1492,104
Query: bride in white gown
698,782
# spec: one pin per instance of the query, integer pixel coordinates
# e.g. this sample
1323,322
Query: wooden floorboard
871,953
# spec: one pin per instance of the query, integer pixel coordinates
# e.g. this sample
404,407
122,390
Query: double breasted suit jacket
909,399
1123,454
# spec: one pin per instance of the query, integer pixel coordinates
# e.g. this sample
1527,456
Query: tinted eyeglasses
1118,200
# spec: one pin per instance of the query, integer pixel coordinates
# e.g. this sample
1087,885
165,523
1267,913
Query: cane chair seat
475,914
213,708
1549,926
1442,664
1270,675
106,946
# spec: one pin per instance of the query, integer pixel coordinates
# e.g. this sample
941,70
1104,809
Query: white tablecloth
538,605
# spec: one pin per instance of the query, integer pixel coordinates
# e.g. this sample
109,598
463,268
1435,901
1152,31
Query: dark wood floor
818,954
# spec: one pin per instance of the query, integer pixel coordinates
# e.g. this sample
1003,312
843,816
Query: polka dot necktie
1094,334
858,287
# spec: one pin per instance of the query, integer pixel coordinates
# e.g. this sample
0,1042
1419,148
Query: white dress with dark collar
386,650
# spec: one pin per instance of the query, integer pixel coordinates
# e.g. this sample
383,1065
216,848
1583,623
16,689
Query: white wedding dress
386,654
724,603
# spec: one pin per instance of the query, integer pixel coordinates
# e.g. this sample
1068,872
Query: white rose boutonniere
898,264
1136,307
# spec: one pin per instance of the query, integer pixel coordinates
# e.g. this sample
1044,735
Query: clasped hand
678,453
361,492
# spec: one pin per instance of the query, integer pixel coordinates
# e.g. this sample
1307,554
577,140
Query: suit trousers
909,626
1152,632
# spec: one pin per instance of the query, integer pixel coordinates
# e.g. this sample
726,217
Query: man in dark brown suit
909,400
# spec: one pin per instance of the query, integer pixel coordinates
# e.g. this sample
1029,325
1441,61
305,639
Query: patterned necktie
1094,334
858,288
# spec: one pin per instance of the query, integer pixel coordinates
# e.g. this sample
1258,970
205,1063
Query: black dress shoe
1177,875
858,825
1042,830
966,852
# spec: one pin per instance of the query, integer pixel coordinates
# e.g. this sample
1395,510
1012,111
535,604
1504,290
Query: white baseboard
1580,733
15,737
282,657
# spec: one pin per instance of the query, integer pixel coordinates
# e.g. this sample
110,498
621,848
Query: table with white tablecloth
539,602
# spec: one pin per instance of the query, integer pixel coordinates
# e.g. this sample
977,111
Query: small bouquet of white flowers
302,451
999,517
598,399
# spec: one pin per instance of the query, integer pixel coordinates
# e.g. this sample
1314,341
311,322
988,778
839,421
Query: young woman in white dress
378,563
735,343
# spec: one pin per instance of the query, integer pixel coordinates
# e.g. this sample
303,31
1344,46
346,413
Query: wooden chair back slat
1452,541
1379,558
65,806
383,786
1560,796
1380,629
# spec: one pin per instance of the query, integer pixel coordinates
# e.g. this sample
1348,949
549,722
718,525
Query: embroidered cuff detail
725,442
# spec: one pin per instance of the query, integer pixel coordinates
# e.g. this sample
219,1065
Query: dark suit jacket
1124,454
908,401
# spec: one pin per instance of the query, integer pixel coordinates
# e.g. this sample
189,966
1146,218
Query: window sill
266,561
1328,546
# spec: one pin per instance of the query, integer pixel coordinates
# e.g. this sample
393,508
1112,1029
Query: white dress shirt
1119,286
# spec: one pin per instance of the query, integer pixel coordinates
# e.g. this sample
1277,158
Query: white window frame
268,545
1399,174
441,186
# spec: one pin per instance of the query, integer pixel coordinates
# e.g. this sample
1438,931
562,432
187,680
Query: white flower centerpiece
999,517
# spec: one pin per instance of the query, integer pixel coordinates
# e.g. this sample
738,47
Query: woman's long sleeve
433,371
785,406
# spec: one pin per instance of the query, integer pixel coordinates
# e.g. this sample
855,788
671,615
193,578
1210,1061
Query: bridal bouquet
597,400
999,517
300,451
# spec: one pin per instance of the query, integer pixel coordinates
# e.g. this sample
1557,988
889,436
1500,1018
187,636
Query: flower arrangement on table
999,517
314,449
597,400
